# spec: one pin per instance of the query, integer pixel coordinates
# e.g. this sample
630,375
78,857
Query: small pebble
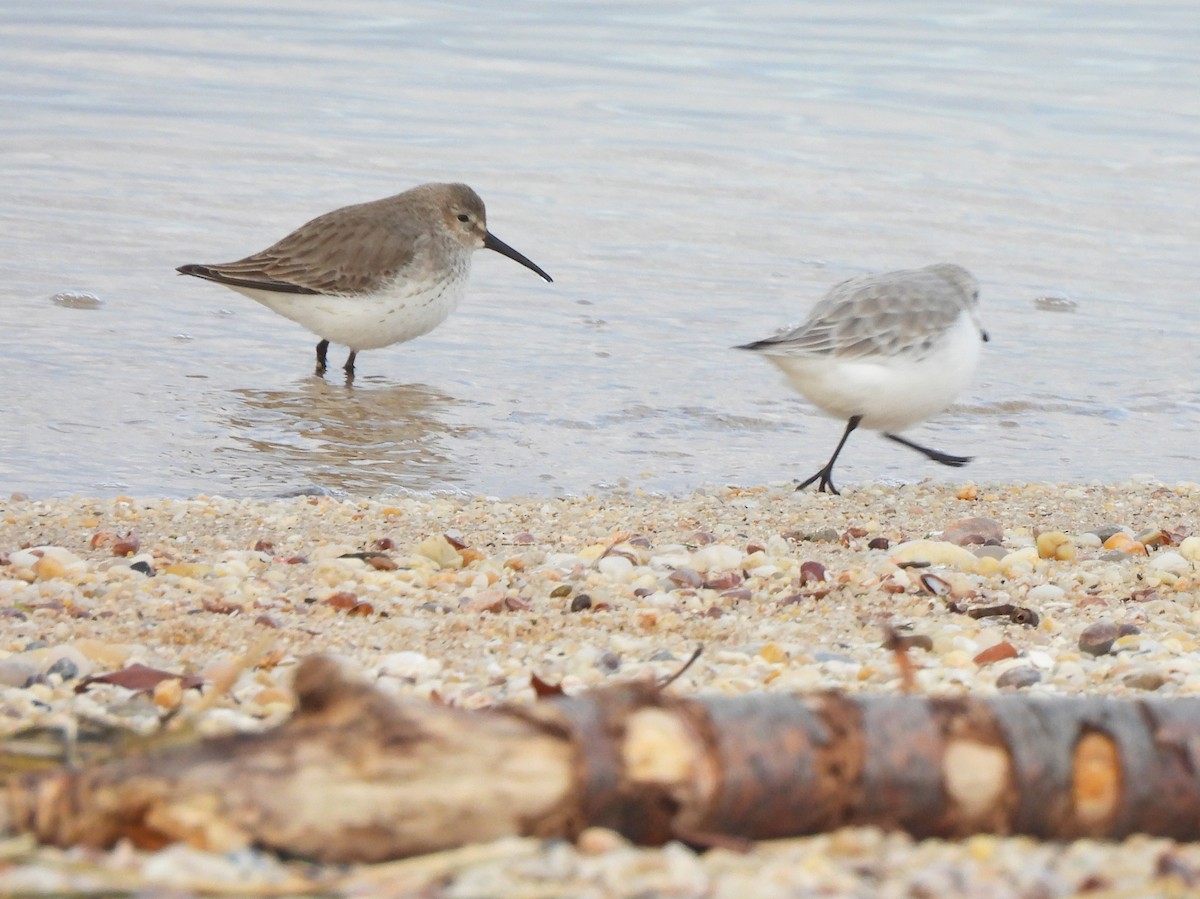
824,535
1105,531
64,667
1044,593
1171,561
1097,639
1019,676
1144,680
686,577
1055,545
996,653
609,661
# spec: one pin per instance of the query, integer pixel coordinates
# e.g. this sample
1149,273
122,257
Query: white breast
400,312
889,392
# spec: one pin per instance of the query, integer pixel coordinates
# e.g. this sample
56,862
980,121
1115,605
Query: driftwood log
355,776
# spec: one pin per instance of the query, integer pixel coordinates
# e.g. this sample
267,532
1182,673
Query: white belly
368,321
890,393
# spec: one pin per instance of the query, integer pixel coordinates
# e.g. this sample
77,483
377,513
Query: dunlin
370,275
884,352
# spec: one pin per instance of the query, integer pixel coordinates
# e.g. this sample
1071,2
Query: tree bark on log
355,776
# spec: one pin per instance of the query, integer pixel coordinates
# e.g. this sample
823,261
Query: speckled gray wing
878,315
352,250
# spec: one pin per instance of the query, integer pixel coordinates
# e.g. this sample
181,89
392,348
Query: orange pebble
1126,544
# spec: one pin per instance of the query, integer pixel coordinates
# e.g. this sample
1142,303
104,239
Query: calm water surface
693,176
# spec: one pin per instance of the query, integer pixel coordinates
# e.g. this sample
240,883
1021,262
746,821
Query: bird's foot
824,479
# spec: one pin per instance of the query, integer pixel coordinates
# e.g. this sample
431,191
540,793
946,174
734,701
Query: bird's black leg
825,475
322,349
934,455
349,366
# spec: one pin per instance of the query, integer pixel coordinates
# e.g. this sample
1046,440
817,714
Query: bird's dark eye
463,217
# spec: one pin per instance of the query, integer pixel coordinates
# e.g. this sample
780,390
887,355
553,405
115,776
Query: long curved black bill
492,242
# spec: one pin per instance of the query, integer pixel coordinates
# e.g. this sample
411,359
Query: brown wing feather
352,250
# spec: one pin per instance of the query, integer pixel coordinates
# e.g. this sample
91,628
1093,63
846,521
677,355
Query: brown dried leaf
140,679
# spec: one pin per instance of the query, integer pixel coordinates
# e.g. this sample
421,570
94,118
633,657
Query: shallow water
692,175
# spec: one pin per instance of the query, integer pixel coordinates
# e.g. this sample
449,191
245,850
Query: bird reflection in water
373,437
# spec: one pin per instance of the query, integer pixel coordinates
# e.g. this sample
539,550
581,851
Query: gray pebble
1097,639
609,661
1019,676
65,668
1144,680
824,535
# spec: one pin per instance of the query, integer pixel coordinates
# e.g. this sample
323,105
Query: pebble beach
1042,588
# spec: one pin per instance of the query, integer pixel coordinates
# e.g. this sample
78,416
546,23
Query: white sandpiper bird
884,352
373,274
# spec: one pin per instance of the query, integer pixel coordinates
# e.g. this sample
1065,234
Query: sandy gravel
465,598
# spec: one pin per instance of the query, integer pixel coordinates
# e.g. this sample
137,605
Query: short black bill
492,242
